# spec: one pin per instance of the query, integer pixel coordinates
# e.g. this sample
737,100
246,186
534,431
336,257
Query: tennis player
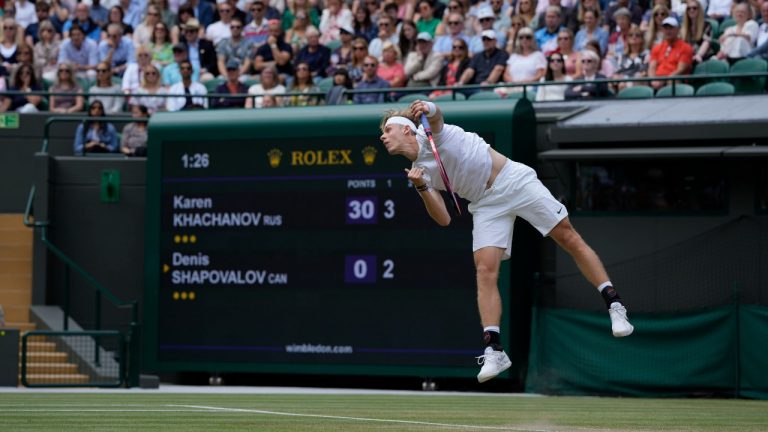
499,190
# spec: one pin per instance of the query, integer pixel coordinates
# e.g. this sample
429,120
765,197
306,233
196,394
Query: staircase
45,364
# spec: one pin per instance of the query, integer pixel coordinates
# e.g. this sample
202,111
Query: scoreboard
287,241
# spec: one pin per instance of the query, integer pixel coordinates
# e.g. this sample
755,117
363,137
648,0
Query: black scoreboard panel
303,252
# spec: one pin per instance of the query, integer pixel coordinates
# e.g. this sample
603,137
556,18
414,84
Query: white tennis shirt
465,156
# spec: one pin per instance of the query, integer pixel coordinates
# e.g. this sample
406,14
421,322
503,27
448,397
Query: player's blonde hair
395,113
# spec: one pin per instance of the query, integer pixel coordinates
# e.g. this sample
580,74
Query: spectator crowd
143,56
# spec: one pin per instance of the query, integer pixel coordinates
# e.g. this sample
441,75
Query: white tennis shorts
516,191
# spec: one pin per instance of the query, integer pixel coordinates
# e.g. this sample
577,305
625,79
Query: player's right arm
433,201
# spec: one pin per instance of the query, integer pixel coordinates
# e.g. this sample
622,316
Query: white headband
401,121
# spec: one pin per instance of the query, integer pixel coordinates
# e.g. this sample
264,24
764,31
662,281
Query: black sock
610,295
493,340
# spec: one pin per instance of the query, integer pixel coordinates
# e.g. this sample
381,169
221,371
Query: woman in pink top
391,69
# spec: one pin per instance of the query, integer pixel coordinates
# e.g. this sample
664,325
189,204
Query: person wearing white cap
499,190
486,18
423,65
670,57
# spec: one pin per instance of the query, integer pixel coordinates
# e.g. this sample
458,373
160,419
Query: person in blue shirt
369,81
95,136
83,19
116,49
591,30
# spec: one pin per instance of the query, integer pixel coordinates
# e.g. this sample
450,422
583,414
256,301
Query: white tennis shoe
620,326
494,363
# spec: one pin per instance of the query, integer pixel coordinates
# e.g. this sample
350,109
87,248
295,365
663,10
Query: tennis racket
440,165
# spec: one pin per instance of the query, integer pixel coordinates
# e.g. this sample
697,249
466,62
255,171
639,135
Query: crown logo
369,155
274,157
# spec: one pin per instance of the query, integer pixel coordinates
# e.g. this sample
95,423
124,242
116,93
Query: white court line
74,410
363,419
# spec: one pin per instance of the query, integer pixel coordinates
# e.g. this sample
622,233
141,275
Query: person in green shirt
426,21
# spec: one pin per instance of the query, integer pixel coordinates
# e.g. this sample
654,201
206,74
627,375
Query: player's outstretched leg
494,360
592,269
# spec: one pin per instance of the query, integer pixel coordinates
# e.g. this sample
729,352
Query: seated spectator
24,55
337,95
363,26
99,14
444,43
269,85
296,36
317,56
546,37
232,86
565,47
150,92
299,7
25,13
451,72
555,73
387,33
697,32
526,9
116,50
160,45
342,55
487,67
369,81
116,16
738,40
633,62
671,57
105,89
237,48
191,94
23,81
184,14
589,66
80,52
591,30
423,65
426,20
374,10
301,84
32,31
9,44
605,66
270,101
566,16
335,16
83,19
407,38
65,83
635,13
486,19
172,72
203,11
653,30
219,30
391,69
719,9
134,136
761,49
200,52
516,23
46,52
257,31
527,65
275,52
617,41
134,72
95,136
359,53
142,34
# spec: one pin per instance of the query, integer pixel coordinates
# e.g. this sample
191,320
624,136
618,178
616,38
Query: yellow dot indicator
184,238
165,268
193,238
175,295
176,238
183,295
192,295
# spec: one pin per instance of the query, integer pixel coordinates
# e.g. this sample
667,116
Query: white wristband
432,109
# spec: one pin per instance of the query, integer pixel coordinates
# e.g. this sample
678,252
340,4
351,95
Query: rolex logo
369,155
275,155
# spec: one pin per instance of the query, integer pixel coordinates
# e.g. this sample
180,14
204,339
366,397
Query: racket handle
425,123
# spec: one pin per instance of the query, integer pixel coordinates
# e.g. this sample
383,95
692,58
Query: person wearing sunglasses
387,33
116,50
670,57
591,30
697,31
455,30
590,64
235,47
96,135
486,67
221,29
190,95
370,81
422,66
105,90
499,190
486,18
526,65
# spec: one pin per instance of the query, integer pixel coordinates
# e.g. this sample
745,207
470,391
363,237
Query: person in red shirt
670,57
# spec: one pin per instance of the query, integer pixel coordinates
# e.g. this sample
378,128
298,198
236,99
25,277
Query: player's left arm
423,107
